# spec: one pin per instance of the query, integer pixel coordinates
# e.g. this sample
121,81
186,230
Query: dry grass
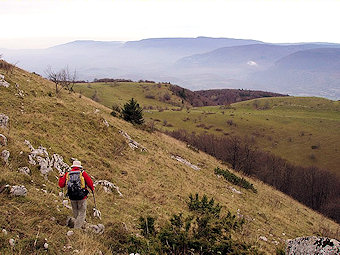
154,184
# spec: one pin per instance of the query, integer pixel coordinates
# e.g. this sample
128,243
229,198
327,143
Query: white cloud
252,63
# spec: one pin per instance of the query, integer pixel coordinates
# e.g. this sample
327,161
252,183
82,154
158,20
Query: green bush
203,231
230,177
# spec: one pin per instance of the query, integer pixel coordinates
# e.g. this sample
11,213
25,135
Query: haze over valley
301,69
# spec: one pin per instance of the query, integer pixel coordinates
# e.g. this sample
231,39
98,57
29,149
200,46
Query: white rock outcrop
24,170
185,162
235,190
106,123
97,229
41,157
312,245
18,190
5,155
3,140
132,143
108,186
4,120
3,82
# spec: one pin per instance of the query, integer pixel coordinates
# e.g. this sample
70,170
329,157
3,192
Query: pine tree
132,112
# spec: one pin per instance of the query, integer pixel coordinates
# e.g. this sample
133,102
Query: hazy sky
43,23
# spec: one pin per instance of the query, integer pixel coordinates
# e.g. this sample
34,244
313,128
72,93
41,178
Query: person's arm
88,181
62,180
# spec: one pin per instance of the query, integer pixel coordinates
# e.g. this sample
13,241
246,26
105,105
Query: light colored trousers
79,212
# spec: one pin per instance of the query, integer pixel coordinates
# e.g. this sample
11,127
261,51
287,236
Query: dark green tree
132,112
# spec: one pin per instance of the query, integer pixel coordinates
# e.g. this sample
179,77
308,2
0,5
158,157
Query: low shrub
234,179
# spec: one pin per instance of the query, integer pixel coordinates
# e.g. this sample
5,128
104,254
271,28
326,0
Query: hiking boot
70,222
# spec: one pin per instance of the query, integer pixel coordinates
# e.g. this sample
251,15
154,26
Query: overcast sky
44,23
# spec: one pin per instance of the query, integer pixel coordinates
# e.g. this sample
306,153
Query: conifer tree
132,112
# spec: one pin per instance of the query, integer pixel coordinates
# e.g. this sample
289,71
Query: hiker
77,181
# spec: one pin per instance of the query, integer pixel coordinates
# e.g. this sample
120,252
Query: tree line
317,188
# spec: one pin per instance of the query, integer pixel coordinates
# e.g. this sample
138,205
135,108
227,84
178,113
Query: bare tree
62,79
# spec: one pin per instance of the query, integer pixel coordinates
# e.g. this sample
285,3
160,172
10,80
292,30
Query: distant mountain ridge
309,69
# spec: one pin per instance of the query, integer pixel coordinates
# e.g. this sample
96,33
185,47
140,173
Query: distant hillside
304,73
200,63
230,96
252,56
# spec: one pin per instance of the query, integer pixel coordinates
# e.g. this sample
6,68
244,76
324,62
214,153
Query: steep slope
152,183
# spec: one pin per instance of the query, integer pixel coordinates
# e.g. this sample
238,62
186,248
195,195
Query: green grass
286,126
147,94
152,183
289,128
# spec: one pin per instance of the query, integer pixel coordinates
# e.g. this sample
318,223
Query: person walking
77,180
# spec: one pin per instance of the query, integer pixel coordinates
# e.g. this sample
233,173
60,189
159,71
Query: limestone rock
4,120
18,190
263,238
235,190
98,229
106,123
20,93
46,246
4,231
182,160
313,245
132,143
11,242
3,140
5,155
108,186
69,233
59,164
24,170
3,82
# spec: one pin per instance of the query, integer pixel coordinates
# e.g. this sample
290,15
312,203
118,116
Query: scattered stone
46,246
24,170
12,242
4,121
108,186
3,140
182,160
5,155
20,93
238,212
132,143
263,238
276,242
3,82
97,229
4,231
312,245
106,123
18,190
234,190
96,111
69,233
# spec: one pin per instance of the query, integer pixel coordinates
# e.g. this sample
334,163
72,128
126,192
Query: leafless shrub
62,79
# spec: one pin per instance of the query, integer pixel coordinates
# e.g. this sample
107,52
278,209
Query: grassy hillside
150,95
305,131
302,130
152,183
